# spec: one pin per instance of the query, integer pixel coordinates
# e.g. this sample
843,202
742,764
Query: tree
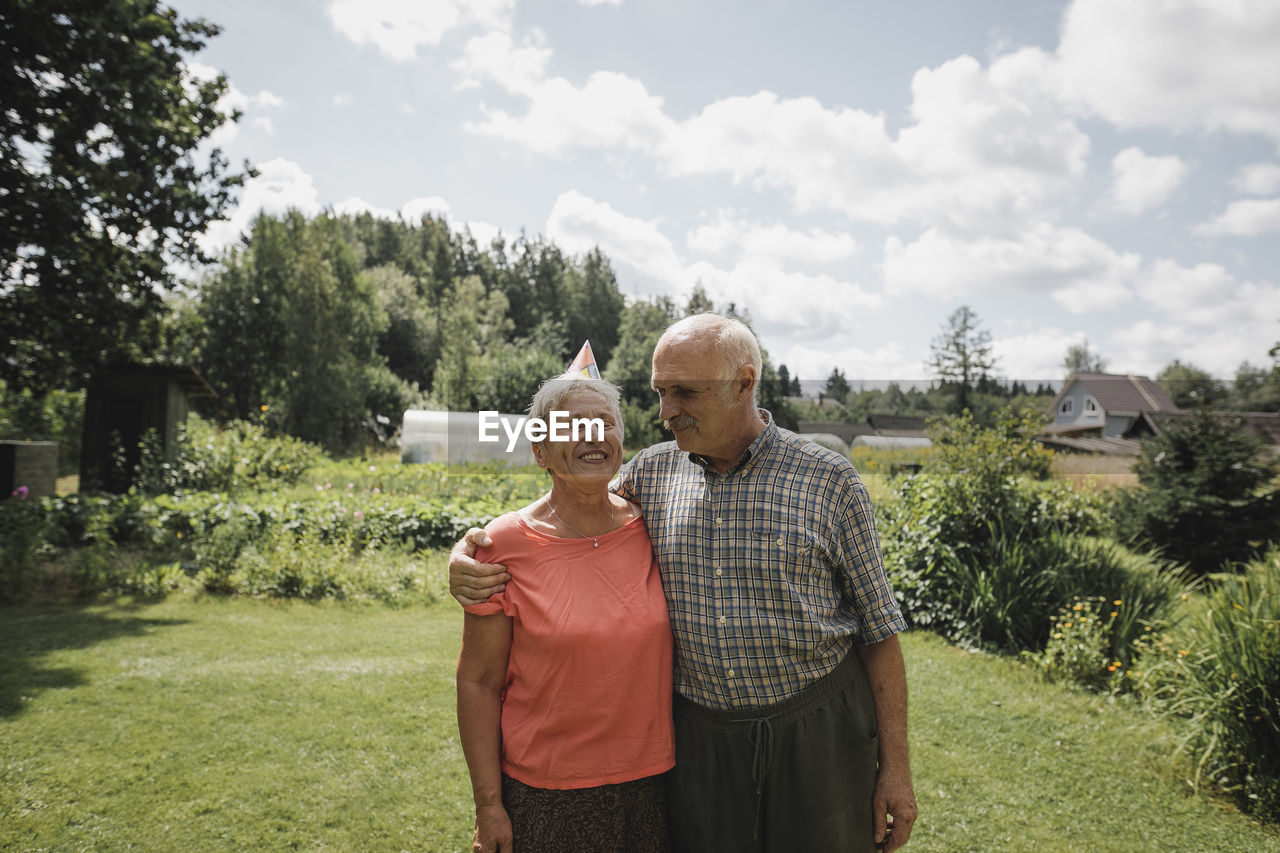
1190,387
699,302
1207,496
291,324
837,387
1080,359
102,182
961,354
631,367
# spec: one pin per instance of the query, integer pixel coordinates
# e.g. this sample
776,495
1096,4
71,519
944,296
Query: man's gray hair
735,343
552,394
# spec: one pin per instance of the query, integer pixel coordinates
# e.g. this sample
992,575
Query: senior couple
738,563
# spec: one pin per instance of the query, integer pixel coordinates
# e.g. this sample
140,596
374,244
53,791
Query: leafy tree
292,325
101,179
631,367
409,343
593,305
961,355
1190,387
331,323
1080,359
1256,389
473,323
837,387
699,302
1207,494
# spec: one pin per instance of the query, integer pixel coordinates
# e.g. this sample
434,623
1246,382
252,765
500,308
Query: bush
58,416
22,536
1125,601
1207,495
964,553
1008,449
240,456
1222,675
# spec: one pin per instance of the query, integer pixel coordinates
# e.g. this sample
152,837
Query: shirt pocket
789,558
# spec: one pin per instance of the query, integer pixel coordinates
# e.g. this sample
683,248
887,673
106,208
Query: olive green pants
795,776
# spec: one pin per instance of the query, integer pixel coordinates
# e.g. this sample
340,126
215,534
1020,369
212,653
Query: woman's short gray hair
553,393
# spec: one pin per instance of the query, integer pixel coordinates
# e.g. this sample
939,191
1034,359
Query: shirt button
718,521
722,620
719,572
731,673
780,542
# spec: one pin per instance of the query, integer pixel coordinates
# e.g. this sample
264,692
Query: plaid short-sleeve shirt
772,570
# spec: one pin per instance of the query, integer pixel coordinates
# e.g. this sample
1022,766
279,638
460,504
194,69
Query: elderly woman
564,679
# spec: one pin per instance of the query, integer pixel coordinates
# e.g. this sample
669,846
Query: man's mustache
680,422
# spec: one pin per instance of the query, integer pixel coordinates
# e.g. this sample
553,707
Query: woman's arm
482,673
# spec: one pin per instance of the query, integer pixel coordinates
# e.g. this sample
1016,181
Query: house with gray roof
1106,413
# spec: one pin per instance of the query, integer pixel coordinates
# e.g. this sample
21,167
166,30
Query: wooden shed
121,406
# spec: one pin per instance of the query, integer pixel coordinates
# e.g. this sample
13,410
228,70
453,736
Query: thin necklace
595,540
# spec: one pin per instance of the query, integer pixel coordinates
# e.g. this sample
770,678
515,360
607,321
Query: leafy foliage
960,355
56,416
1207,495
104,179
1223,677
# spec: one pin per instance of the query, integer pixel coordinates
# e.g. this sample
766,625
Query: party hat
583,365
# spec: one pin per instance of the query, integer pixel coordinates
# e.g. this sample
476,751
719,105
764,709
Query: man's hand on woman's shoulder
471,582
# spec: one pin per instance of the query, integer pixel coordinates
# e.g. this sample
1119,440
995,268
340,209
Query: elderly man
791,696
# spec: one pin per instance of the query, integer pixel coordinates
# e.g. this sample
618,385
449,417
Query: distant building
1111,413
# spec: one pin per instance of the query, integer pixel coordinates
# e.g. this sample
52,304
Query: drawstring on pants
762,740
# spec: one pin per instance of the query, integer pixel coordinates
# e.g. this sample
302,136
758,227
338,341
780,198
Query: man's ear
744,381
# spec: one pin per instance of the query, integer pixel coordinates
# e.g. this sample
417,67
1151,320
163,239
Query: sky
850,172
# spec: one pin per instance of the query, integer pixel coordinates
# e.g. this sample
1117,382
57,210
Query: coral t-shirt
587,699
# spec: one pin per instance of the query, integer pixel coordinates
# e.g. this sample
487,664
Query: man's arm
894,795
471,582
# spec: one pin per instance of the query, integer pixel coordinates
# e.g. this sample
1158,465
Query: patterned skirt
630,817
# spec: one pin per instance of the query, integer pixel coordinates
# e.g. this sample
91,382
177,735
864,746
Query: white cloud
1147,346
1175,64
415,208
776,242
495,57
398,27
579,224
786,302
600,2
355,205
280,185
779,300
341,99
609,110
1244,218
987,146
234,99
1141,182
1082,273
1036,355
1208,295
1257,179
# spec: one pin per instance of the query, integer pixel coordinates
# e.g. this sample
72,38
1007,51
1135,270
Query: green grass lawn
210,724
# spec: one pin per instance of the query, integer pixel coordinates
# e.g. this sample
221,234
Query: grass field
215,724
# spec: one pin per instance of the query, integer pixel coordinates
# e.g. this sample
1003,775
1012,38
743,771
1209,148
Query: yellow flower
1078,607
262,408
1117,602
